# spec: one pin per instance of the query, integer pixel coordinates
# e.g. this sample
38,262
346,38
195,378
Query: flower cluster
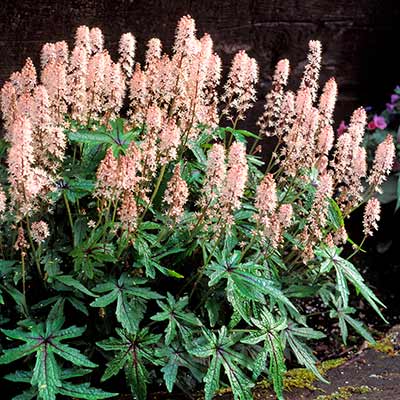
131,186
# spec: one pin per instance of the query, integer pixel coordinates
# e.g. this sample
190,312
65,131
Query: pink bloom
127,46
327,102
116,89
311,70
377,122
21,243
77,76
358,121
371,216
185,35
128,212
26,181
325,140
96,40
272,108
40,231
82,38
342,128
138,94
215,173
128,167
266,199
383,162
8,103
107,175
28,75
153,53
3,201
285,214
170,138
235,183
240,93
176,194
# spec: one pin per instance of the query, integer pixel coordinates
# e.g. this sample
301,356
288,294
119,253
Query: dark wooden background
360,37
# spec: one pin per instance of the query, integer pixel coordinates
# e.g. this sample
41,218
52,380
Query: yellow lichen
345,393
384,345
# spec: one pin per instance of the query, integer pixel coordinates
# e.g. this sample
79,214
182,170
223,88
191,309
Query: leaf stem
69,214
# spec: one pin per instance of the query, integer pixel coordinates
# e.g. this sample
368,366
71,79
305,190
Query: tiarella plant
163,230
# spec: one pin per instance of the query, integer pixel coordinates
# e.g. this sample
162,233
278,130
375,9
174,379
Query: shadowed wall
358,36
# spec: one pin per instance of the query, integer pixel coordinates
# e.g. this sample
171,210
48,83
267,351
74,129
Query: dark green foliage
168,301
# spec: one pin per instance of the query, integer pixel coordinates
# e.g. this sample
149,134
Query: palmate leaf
46,341
176,356
269,332
296,337
222,353
343,314
357,280
174,312
247,280
125,291
131,351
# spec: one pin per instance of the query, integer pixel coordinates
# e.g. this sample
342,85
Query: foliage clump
153,220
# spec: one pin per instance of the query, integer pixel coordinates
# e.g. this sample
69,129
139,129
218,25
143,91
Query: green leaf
342,286
303,354
73,355
126,314
170,372
46,374
105,300
358,281
84,391
138,379
115,365
16,353
211,379
90,137
68,280
359,328
335,216
398,194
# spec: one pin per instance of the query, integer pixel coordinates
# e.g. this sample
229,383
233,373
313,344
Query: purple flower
377,123
390,107
394,98
342,128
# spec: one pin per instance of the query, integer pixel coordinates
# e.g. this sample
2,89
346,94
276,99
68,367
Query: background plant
144,218
379,126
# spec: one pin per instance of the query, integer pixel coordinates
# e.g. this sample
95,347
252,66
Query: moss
326,366
384,345
302,378
296,378
299,378
345,393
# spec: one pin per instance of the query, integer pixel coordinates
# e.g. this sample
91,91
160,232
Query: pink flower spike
127,46
96,40
371,216
176,194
